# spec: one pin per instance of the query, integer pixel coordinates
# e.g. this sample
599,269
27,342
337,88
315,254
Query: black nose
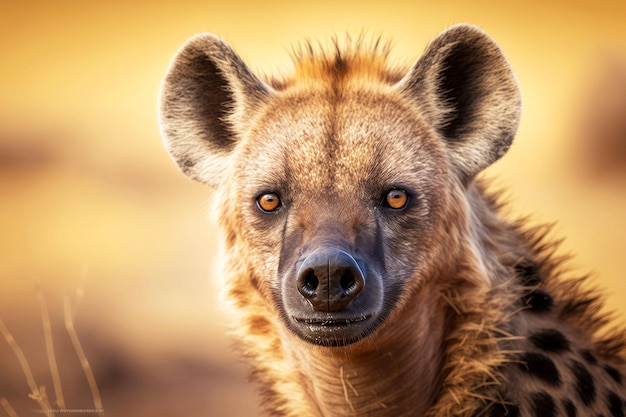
329,279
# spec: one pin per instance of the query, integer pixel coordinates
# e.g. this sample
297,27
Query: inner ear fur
206,97
466,90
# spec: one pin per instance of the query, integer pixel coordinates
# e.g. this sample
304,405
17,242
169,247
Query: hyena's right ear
206,97
468,93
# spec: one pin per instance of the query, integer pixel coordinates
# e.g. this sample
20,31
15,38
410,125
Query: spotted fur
463,312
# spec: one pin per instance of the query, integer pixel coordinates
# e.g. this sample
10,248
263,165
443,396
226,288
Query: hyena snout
330,279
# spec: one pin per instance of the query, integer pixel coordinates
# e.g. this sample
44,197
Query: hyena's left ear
467,92
207,96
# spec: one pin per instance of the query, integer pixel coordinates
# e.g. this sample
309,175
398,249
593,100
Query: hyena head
341,188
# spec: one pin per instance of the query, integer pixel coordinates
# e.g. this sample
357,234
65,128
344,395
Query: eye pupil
397,199
268,202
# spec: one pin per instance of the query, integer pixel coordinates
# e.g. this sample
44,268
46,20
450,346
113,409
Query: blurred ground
88,198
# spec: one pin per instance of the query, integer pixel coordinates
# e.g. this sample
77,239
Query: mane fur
361,57
484,341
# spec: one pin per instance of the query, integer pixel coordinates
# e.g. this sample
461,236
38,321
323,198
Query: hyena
369,271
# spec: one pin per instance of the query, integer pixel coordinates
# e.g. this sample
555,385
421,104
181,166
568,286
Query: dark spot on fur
503,410
538,301
540,366
616,404
589,357
585,385
569,407
613,373
528,272
550,340
340,66
258,325
543,405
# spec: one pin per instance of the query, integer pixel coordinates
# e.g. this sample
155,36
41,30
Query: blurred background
93,211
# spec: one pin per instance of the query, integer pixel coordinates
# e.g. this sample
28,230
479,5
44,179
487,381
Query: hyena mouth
329,322
333,331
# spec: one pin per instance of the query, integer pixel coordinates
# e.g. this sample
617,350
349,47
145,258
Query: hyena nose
329,279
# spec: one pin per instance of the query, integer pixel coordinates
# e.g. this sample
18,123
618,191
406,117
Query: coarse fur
441,306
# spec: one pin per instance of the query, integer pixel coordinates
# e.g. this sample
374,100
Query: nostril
309,284
347,282
311,281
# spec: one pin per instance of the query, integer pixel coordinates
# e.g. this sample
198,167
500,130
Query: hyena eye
396,199
268,202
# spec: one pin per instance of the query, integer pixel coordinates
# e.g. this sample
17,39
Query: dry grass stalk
54,369
84,363
38,394
7,407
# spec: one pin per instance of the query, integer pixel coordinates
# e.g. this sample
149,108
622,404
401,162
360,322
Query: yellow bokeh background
92,209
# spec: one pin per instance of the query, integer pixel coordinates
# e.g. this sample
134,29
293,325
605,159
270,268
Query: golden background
93,210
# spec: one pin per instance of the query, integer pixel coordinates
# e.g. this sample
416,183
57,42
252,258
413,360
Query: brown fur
462,313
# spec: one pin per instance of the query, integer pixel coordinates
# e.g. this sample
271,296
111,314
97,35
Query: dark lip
333,322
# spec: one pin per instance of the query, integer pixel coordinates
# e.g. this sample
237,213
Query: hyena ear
206,97
468,93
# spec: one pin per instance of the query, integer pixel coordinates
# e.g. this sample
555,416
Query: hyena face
339,213
343,185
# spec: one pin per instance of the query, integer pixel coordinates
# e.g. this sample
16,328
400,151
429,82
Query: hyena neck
394,373
494,245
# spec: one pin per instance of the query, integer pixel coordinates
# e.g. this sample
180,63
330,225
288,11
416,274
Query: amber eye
396,199
268,202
